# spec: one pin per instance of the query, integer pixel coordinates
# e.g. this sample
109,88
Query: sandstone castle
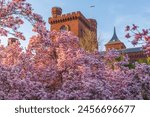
86,30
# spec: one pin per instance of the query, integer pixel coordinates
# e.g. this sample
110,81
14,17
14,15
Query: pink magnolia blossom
139,37
63,70
55,67
12,15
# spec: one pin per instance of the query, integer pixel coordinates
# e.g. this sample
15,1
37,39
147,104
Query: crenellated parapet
64,17
58,17
76,22
93,23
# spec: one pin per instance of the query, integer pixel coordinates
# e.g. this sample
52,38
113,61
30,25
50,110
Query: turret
93,23
56,11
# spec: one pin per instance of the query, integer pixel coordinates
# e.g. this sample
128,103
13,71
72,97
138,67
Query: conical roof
114,38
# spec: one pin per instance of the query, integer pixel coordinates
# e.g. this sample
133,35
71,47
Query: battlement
68,16
78,13
93,23
58,17
76,22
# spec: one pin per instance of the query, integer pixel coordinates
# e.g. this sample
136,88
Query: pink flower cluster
142,37
55,67
12,15
63,70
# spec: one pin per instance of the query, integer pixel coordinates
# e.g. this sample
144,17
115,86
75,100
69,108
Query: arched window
64,28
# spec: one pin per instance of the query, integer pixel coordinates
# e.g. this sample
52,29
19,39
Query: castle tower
56,11
115,43
76,23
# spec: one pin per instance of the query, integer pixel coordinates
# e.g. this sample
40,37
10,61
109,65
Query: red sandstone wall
73,24
117,46
77,22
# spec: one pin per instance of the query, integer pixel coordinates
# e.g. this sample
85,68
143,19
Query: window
64,28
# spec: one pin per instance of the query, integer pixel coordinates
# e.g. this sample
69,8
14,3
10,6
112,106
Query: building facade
115,43
78,24
134,54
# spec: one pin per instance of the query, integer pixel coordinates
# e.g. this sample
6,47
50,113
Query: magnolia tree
15,80
55,67
62,70
139,36
12,16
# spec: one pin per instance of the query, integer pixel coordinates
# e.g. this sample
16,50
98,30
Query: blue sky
108,13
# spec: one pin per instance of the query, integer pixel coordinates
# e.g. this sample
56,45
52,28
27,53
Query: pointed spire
114,30
115,37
